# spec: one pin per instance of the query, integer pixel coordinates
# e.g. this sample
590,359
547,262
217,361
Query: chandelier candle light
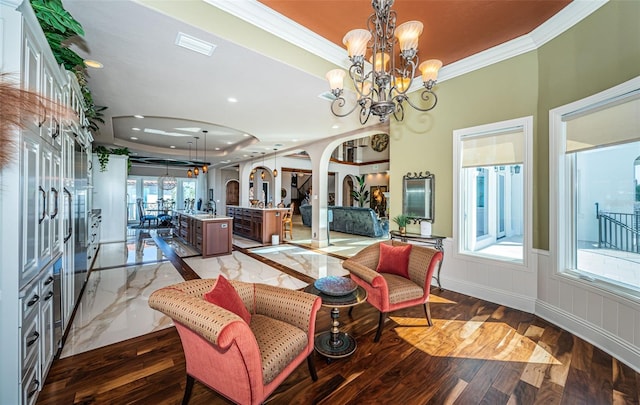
383,90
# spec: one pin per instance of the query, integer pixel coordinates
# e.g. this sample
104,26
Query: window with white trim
595,151
491,190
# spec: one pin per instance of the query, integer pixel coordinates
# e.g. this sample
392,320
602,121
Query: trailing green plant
362,194
104,153
401,219
59,27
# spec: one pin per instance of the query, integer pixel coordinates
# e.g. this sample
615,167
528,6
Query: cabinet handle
37,386
35,335
55,202
33,300
56,129
44,204
49,280
48,296
70,229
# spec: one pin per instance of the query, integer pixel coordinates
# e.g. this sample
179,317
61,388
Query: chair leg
187,390
312,367
427,313
383,316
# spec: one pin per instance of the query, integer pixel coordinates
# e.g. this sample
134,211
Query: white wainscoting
506,284
607,321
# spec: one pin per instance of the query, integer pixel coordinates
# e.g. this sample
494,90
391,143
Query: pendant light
168,182
275,163
205,168
262,174
253,171
189,172
196,170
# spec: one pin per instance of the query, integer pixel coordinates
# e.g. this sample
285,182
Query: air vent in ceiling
327,95
194,44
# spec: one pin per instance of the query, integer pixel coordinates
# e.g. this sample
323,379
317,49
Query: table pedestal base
335,348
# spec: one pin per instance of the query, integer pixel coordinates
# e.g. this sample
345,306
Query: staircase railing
618,231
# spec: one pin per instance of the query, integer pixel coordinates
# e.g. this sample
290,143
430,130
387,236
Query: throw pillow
224,295
394,260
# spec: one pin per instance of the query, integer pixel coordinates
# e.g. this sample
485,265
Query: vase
403,230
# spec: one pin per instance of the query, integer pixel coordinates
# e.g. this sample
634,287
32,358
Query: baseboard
593,334
502,297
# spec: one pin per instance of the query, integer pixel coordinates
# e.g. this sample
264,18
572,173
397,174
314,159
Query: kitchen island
209,234
259,224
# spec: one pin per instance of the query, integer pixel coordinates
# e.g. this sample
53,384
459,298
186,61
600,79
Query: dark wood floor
476,353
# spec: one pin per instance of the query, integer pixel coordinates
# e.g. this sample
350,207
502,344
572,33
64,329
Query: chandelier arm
426,95
365,113
341,102
399,109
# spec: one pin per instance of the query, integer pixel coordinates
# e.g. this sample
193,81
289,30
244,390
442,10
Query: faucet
215,207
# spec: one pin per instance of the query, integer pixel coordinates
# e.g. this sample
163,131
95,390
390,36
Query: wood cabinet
256,223
209,236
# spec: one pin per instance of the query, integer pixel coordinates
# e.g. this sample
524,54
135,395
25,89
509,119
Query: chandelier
168,182
382,90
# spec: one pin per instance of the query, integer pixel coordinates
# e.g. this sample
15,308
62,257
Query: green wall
601,51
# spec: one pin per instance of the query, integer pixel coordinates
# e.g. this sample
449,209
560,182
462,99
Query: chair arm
294,307
215,324
368,275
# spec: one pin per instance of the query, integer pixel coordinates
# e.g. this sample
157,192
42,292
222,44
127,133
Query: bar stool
287,222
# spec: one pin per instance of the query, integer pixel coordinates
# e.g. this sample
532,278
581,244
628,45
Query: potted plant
402,221
362,194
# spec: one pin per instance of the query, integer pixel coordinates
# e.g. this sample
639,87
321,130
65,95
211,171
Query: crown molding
275,23
267,19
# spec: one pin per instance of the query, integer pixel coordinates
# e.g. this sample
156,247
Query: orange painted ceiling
453,29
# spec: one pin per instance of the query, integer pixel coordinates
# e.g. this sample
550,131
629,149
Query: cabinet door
44,190
32,60
30,208
47,344
55,201
217,238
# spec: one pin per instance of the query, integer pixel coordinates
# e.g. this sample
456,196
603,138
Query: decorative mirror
418,195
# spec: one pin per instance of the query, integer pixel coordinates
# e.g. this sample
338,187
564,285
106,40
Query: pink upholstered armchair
390,292
244,362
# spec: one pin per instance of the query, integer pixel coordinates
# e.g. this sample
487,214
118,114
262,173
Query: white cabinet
110,196
35,214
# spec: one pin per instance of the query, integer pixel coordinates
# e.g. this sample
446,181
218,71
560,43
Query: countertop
259,209
203,216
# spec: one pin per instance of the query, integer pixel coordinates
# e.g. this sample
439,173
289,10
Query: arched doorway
347,188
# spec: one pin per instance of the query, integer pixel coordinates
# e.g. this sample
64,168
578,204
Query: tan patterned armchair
389,292
243,362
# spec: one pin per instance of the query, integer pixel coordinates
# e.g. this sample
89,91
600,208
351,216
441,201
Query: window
491,190
596,145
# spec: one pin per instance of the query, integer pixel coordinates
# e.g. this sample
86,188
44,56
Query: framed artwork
377,200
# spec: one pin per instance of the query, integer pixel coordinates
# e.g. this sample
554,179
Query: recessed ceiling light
247,135
135,129
335,126
229,143
232,100
134,138
172,146
217,148
138,116
194,44
294,140
93,64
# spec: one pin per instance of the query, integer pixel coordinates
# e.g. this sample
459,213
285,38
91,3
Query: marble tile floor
114,306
